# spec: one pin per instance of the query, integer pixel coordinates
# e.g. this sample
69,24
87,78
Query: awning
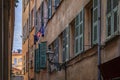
110,69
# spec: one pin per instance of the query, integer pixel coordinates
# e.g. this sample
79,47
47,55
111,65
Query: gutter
99,38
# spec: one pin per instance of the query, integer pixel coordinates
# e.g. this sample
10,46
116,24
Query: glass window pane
81,17
76,31
77,20
95,33
115,21
108,6
115,3
95,3
76,43
81,46
109,26
95,15
81,29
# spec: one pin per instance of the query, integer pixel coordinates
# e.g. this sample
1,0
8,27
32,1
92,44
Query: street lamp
50,55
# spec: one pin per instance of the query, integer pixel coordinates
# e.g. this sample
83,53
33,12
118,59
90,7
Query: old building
17,63
83,35
7,17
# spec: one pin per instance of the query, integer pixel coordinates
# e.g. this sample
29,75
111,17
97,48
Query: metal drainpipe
99,38
2,38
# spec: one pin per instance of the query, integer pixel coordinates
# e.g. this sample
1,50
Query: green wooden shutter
49,8
79,31
95,22
42,51
36,60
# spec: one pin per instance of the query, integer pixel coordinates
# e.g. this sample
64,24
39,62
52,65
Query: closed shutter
79,24
42,51
95,22
37,69
49,8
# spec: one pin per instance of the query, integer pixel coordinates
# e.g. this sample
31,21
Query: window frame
111,14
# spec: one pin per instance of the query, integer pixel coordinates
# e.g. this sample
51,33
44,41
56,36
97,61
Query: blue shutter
42,51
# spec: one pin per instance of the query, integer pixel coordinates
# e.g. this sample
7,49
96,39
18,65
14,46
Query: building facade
17,63
83,34
7,14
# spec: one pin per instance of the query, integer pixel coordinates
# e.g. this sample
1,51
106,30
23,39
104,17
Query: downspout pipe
2,39
99,38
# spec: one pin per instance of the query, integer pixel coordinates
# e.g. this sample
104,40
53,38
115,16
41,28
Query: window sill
112,37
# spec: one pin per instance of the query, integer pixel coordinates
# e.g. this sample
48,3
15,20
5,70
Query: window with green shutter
49,8
95,22
112,17
42,51
37,61
79,31
66,44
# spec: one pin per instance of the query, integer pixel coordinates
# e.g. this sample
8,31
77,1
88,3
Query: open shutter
49,8
42,51
79,24
95,21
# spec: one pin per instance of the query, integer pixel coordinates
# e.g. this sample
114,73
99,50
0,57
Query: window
15,61
20,60
66,44
49,9
79,23
112,17
42,13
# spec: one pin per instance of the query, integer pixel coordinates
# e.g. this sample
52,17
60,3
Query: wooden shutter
49,8
79,24
37,69
42,51
95,22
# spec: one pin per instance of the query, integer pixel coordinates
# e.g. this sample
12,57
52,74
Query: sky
17,43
